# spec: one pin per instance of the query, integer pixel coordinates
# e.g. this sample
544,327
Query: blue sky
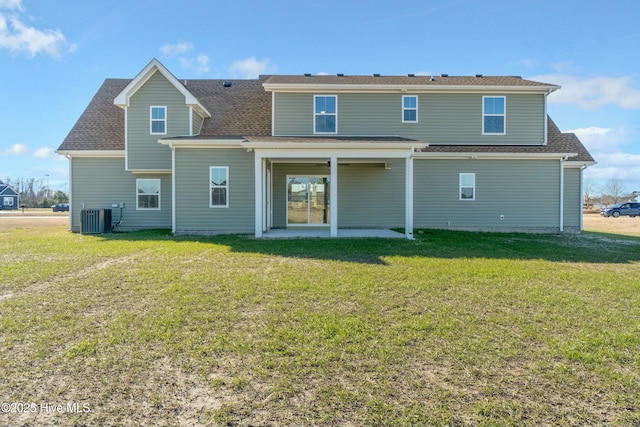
55,54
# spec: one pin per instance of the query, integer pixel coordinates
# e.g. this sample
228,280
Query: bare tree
615,191
589,194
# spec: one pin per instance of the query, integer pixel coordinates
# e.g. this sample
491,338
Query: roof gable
123,98
5,190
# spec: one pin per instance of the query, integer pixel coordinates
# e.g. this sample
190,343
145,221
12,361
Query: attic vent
307,74
411,75
478,75
226,84
444,75
340,75
376,75
433,79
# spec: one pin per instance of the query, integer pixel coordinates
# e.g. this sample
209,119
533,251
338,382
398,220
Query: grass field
450,329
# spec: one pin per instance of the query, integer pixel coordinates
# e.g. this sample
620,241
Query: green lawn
450,329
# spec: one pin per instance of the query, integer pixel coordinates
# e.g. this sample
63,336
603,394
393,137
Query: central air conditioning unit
95,221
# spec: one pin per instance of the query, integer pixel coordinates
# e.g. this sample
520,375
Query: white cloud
198,64
15,150
623,166
251,68
175,49
20,38
11,4
593,93
42,153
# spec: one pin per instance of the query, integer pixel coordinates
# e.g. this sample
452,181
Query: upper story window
148,194
325,114
493,115
219,182
158,120
409,109
8,201
467,186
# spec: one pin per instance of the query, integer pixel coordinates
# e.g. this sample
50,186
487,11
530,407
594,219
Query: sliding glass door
307,200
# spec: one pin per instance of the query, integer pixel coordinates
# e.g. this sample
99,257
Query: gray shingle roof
101,125
406,80
244,110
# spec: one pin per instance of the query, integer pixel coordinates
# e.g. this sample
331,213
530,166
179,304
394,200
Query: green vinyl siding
526,192
572,198
369,195
192,184
442,118
196,124
98,183
143,150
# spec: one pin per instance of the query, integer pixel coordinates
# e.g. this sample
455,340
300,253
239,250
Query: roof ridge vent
307,74
376,75
444,75
411,75
226,83
478,75
340,75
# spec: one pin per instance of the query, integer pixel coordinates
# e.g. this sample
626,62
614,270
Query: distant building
8,197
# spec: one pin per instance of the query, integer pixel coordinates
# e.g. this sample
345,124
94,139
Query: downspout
562,160
70,193
173,188
581,201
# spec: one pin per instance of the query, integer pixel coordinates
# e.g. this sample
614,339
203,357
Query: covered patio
332,152
324,233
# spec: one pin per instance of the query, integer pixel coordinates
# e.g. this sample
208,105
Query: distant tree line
35,193
610,193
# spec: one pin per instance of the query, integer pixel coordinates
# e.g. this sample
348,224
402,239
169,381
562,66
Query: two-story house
325,152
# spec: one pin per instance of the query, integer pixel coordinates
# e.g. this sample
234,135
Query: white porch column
259,206
408,185
333,197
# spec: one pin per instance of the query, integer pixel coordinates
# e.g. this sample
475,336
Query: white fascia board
150,171
378,88
326,153
389,146
574,164
122,100
91,153
472,155
202,143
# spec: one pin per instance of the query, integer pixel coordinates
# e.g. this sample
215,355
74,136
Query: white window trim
460,186
152,120
315,115
138,208
504,116
409,109
8,201
211,187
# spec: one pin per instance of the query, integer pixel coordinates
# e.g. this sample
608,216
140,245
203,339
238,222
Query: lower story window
148,194
467,186
219,186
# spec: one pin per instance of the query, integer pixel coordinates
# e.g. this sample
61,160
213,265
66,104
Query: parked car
60,208
631,209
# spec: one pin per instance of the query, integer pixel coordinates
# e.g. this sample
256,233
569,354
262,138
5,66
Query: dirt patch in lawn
32,218
621,225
